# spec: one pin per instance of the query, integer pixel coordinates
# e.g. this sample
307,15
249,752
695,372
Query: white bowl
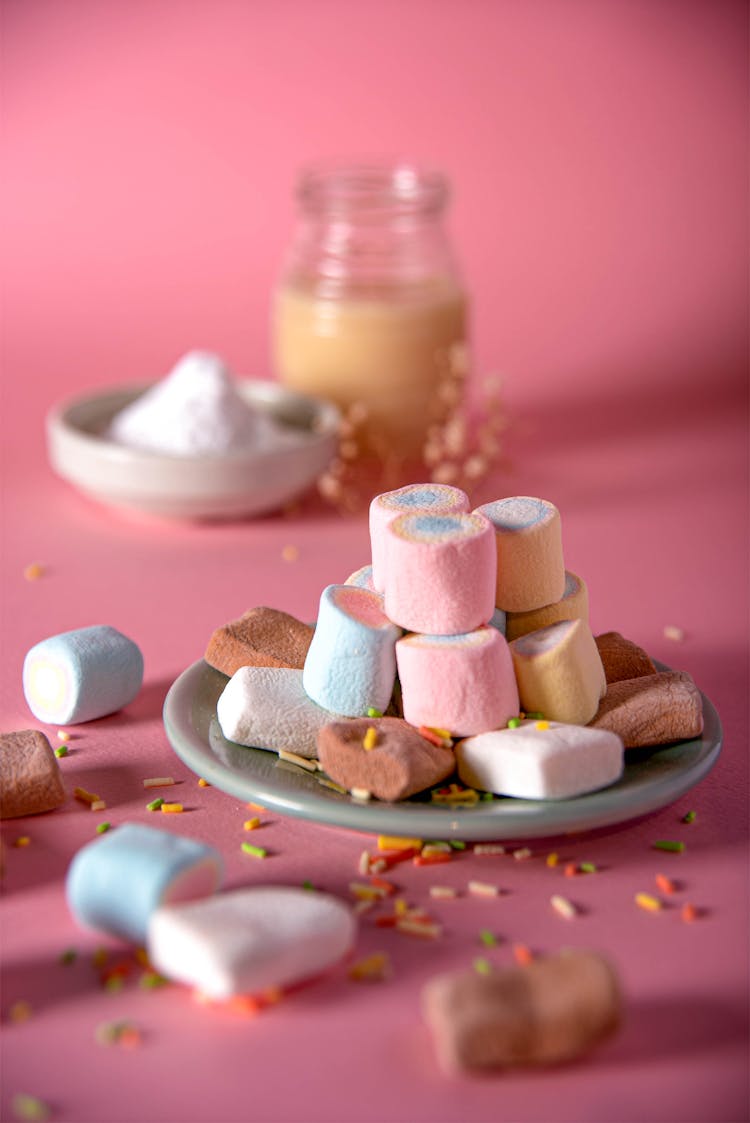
237,484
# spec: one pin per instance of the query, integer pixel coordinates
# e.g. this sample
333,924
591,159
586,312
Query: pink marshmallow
437,499
441,572
462,683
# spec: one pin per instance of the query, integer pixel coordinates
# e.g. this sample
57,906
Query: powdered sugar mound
195,411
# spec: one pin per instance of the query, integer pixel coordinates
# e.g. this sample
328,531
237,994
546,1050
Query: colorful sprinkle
20,1012
395,842
689,817
689,913
30,1107
63,735
290,553
482,966
668,845
251,824
665,883
587,867
541,725
488,848
648,902
155,804
514,723
34,571
672,632
373,712
203,783
563,907
443,892
552,860
488,938
172,808
372,969
102,828
253,851
61,751
22,840
300,761
159,782
370,739
522,954
482,889
522,853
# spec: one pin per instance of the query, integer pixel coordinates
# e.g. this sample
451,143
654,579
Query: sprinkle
689,913
488,848
542,725
151,980
522,954
428,931
159,782
370,738
364,892
62,751
665,883
443,892
67,957
85,797
141,956
522,854
300,761
534,715
671,631
382,883
113,983
117,1033
514,722
430,848
482,889
98,805
571,869
648,902
203,783
309,886
394,842
563,907
454,794
172,808
290,553
34,571
669,845
364,795
373,712
552,860
30,1107
99,957
256,806
155,804
489,939
251,824
63,735
434,737
436,858
254,851
20,1012
482,966
22,840
327,783
457,844
102,828
587,867
689,817
372,969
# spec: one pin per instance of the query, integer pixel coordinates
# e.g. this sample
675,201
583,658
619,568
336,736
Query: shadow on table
657,1029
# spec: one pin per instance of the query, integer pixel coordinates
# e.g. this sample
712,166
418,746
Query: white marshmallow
267,708
248,940
540,760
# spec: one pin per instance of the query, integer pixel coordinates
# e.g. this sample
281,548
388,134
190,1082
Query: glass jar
369,310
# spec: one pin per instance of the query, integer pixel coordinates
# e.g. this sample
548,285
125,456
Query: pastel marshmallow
652,709
622,659
249,940
573,605
549,1011
267,708
437,499
262,637
82,675
499,620
362,578
463,683
351,664
541,760
400,762
441,572
30,779
530,566
116,882
559,672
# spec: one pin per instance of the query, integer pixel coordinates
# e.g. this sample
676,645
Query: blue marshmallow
351,663
117,881
82,675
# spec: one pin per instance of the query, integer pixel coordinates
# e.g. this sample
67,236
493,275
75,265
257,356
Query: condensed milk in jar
369,310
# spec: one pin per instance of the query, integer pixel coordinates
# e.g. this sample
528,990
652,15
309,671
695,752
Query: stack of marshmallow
445,587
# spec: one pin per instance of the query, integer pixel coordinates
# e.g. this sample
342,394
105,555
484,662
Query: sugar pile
195,411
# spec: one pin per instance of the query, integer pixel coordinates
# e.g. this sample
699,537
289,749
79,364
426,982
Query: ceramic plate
237,485
653,778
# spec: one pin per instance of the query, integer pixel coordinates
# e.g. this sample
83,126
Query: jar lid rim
361,185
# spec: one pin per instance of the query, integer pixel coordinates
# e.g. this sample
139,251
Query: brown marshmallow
30,779
622,659
652,710
262,637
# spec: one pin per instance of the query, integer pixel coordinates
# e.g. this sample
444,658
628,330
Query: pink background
598,152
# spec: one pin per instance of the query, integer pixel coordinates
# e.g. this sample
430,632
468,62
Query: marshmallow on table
362,578
351,664
82,675
441,572
267,708
541,760
462,683
573,605
559,672
30,779
622,659
249,940
530,567
262,637
437,499
551,1010
117,881
652,709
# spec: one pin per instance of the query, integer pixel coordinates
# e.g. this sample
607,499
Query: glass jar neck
371,193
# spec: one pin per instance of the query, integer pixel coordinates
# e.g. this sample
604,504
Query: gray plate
652,779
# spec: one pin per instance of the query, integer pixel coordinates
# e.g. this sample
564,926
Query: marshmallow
574,605
652,709
549,1011
441,572
30,779
622,659
249,940
400,762
499,620
117,881
437,499
541,760
82,675
559,672
262,637
195,411
462,683
267,708
362,578
351,664
530,567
